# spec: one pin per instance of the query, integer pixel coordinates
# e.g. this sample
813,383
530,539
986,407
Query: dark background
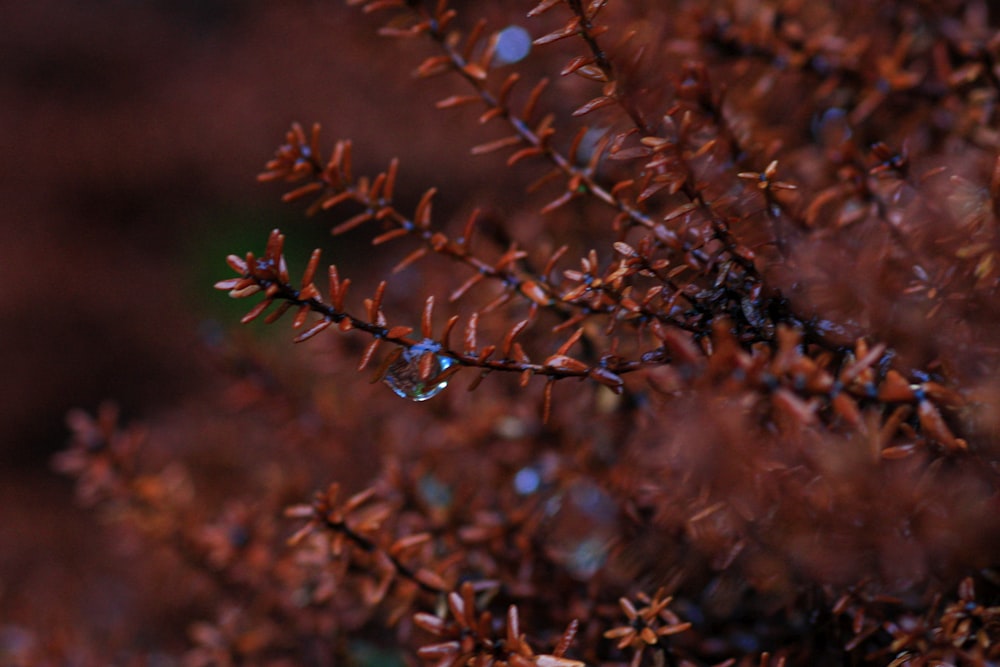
132,133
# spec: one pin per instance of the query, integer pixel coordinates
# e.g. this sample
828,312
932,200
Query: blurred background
133,131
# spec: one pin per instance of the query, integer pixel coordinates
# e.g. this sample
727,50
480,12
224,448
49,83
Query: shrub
731,321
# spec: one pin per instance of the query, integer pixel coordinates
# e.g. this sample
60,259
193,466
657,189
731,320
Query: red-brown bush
730,317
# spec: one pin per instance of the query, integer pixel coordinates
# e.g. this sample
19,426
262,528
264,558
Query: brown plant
760,241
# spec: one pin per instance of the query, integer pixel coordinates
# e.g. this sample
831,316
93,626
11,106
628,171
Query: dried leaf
594,104
352,222
568,30
491,146
313,330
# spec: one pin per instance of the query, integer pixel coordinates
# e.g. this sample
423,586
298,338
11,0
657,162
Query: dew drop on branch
404,376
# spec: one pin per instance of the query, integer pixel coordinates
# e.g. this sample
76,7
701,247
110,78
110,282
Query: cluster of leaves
787,449
685,279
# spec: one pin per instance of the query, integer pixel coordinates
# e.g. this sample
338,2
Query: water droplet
404,376
510,427
832,128
513,44
586,557
582,526
527,480
434,492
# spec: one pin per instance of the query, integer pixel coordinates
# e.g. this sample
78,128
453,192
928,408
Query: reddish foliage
758,240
